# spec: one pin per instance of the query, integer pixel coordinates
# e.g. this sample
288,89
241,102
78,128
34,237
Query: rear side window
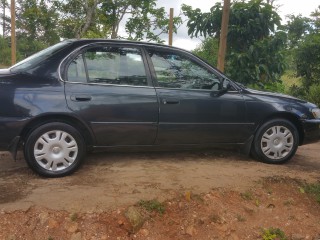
175,70
109,65
39,57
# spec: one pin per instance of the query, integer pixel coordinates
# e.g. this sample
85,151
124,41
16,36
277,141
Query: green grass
215,218
248,195
74,217
152,205
314,189
273,234
240,218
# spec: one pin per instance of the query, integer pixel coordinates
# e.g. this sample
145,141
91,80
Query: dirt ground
205,194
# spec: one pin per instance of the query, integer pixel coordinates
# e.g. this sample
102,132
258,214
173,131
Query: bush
297,91
152,205
314,94
273,234
276,86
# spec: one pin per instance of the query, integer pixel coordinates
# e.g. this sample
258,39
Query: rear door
109,88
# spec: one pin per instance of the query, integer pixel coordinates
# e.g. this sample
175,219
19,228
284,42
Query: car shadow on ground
305,159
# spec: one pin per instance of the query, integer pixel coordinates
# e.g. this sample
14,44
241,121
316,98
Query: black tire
54,149
276,141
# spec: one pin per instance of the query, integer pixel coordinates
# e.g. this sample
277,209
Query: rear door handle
170,101
81,98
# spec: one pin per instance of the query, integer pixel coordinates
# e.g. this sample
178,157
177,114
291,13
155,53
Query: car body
99,94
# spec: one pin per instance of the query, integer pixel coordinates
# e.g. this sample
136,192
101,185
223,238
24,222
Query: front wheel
276,141
54,149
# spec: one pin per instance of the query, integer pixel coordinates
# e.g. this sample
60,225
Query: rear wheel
54,149
276,141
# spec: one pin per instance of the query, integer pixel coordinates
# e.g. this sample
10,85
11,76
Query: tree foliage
40,23
5,20
297,27
36,20
103,18
315,17
303,54
80,18
208,50
307,59
5,56
254,46
144,19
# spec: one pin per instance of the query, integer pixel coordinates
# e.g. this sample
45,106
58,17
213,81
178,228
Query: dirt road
108,180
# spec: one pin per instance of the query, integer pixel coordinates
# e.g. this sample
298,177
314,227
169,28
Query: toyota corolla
85,95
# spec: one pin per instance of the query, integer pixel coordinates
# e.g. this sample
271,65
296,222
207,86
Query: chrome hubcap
277,142
55,150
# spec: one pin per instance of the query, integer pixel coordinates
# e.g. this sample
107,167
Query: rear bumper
311,131
10,129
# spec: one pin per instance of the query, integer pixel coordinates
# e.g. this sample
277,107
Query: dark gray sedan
84,95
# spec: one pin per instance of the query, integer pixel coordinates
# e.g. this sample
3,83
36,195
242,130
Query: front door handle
170,101
81,98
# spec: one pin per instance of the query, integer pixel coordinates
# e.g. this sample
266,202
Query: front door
191,109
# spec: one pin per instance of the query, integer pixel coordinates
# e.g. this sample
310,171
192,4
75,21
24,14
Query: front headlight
316,112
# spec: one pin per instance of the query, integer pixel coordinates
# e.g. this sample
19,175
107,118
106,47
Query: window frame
66,63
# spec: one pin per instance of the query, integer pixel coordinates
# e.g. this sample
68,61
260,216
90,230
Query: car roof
103,40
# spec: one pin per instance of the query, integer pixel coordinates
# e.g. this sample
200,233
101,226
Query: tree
144,19
103,18
304,38
4,16
5,56
208,50
40,23
79,18
304,54
297,27
254,52
35,26
307,66
315,16
36,20
308,59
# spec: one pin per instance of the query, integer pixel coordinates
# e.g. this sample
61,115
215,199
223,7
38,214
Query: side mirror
225,87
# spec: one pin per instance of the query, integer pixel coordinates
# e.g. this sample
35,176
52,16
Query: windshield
38,57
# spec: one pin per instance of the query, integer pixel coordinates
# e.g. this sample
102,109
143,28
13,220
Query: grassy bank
289,79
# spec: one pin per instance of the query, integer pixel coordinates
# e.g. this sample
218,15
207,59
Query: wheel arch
286,116
82,127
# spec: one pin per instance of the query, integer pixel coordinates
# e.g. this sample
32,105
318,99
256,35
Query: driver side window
174,70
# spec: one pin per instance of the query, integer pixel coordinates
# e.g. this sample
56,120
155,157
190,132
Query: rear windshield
38,57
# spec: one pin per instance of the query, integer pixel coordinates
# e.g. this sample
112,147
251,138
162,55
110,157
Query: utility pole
171,26
223,35
13,32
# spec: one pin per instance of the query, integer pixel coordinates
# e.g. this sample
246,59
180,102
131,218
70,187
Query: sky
182,40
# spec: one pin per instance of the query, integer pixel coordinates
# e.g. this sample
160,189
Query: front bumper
311,129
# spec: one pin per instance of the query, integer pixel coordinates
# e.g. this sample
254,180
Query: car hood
271,94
